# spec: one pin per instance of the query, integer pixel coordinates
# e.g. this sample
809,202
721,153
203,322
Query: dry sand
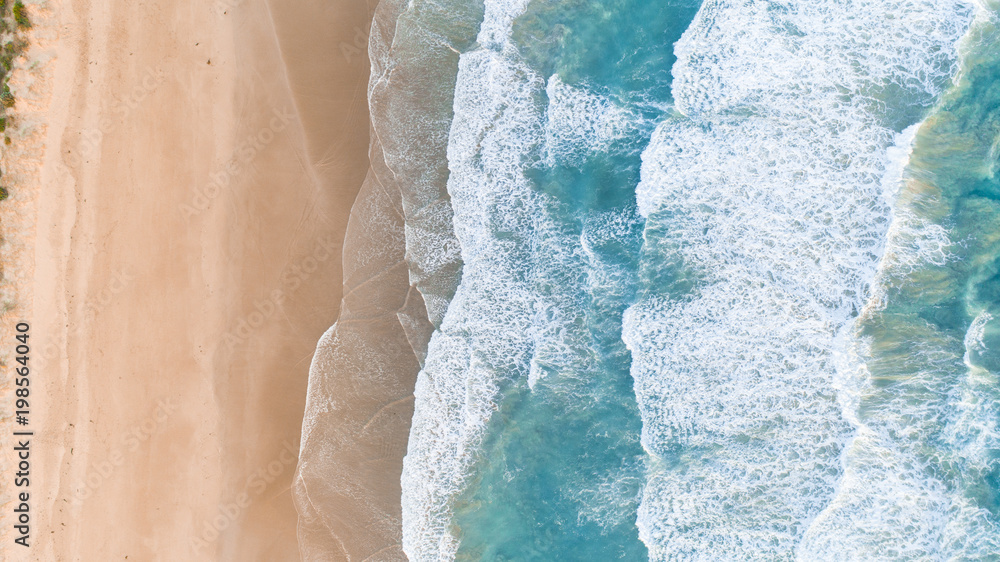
199,165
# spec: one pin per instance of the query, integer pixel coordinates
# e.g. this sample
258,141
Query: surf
766,217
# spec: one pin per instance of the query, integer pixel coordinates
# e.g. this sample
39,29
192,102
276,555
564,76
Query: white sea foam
913,485
769,200
518,314
924,444
497,326
579,122
410,102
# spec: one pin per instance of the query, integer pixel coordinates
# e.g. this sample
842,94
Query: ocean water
707,279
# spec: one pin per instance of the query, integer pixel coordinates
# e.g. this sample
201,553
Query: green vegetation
14,47
20,15
9,52
13,20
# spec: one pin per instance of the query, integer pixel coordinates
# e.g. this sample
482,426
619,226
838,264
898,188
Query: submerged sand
199,164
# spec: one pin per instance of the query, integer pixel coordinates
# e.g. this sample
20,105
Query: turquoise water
729,275
562,466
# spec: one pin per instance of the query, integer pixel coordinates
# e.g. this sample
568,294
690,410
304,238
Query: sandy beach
195,166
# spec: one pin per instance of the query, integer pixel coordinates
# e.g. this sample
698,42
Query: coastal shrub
3,193
20,14
7,98
10,51
3,6
3,124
